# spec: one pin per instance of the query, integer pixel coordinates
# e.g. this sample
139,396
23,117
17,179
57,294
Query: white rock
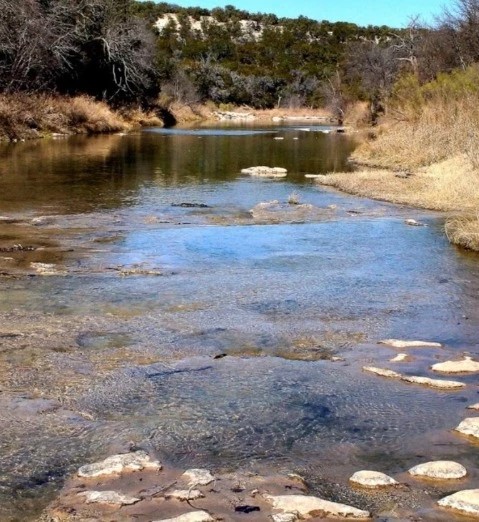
198,477
313,176
279,138
308,507
466,502
398,343
433,383
439,469
372,479
400,357
108,497
469,426
414,223
467,365
48,269
473,406
285,517
119,463
382,372
185,494
192,516
262,171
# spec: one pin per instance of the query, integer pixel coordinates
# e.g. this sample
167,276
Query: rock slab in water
372,479
433,383
467,365
118,464
192,516
108,497
440,469
308,507
263,171
382,372
400,357
398,343
466,502
469,426
198,477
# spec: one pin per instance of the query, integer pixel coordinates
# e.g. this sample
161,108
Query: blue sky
364,12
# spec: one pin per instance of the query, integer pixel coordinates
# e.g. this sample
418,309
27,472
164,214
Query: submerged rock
262,171
382,372
192,516
118,464
466,502
440,469
185,494
398,343
467,365
198,477
469,426
308,507
433,383
372,479
108,497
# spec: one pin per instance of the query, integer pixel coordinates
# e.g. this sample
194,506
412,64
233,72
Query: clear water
130,356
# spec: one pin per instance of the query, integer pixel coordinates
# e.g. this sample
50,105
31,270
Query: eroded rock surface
466,502
398,343
440,469
308,507
372,479
467,365
118,464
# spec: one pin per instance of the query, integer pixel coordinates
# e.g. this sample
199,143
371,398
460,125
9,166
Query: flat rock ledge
470,427
309,507
192,516
440,470
198,477
467,365
267,172
466,502
425,381
372,479
108,497
398,343
116,464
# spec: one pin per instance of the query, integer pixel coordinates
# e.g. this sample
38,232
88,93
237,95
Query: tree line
112,50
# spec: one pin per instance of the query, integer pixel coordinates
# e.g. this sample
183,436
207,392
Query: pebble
466,501
372,479
119,463
306,506
440,469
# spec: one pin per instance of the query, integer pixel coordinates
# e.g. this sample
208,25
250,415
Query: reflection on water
124,345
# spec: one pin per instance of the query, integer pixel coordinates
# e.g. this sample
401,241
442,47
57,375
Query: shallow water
151,292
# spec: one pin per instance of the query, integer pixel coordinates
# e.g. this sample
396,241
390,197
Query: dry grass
464,231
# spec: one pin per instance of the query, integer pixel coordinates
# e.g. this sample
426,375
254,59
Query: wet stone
372,479
118,464
467,365
308,507
440,469
466,502
108,497
198,477
469,426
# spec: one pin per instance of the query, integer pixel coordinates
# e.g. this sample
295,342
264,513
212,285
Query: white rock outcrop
467,365
308,507
440,470
192,516
398,343
469,426
372,479
108,497
185,494
382,372
433,383
135,461
466,502
198,477
267,172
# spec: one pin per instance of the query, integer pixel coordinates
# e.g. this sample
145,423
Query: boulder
372,479
440,469
118,464
469,426
467,365
108,497
433,383
192,516
466,502
382,372
398,343
308,507
198,477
